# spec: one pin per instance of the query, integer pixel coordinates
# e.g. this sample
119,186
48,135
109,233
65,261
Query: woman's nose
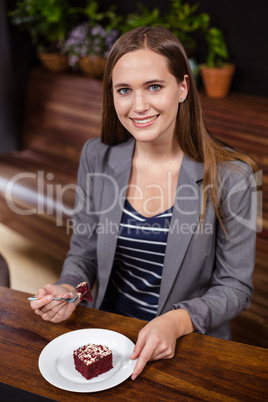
140,103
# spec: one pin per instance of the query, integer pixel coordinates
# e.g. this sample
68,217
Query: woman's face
146,95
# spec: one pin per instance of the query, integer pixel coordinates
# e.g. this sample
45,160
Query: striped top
135,281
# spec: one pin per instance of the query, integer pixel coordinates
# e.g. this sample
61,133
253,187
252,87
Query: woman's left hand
157,340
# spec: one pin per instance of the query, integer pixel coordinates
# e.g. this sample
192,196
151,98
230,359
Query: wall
17,58
8,129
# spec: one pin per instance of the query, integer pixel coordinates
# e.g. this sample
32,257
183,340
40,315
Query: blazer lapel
185,217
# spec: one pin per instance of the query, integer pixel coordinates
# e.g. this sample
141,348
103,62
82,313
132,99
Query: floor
30,268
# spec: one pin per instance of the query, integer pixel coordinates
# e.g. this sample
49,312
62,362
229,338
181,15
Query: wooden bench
62,112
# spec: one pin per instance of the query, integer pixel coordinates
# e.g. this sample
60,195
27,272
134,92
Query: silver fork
71,300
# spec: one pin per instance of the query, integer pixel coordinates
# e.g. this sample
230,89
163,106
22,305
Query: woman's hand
157,340
52,310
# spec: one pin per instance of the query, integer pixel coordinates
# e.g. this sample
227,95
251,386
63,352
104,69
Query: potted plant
89,43
47,22
88,46
217,72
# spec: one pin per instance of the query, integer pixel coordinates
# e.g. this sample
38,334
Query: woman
163,224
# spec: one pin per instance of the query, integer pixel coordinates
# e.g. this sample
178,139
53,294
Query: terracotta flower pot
217,81
92,66
54,62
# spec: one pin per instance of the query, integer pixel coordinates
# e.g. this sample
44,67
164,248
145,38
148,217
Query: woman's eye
154,88
124,91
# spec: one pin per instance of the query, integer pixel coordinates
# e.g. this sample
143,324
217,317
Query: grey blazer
205,272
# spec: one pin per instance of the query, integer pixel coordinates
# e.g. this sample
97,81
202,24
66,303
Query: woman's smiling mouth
145,120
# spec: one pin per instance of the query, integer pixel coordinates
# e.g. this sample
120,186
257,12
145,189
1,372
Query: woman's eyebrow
121,85
153,81
156,80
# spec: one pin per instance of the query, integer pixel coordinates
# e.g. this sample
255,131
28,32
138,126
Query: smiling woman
160,179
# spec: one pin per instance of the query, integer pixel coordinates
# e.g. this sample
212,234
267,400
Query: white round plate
56,362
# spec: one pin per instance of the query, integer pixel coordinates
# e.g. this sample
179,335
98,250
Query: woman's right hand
52,310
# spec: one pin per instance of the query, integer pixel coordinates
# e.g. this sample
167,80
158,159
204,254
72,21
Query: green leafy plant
46,21
217,50
181,18
142,17
184,20
109,19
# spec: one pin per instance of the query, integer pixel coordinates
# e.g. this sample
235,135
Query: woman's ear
184,89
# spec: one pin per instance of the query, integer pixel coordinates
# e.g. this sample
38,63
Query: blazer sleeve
231,285
81,261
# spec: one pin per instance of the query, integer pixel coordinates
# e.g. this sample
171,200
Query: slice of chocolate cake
92,360
83,292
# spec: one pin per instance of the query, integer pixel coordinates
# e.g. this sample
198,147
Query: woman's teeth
145,120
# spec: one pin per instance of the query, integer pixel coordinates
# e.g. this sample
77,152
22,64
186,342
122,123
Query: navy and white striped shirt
135,281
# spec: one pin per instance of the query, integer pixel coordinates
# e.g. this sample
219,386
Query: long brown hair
193,137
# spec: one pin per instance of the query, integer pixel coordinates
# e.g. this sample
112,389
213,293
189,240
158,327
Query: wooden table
204,368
